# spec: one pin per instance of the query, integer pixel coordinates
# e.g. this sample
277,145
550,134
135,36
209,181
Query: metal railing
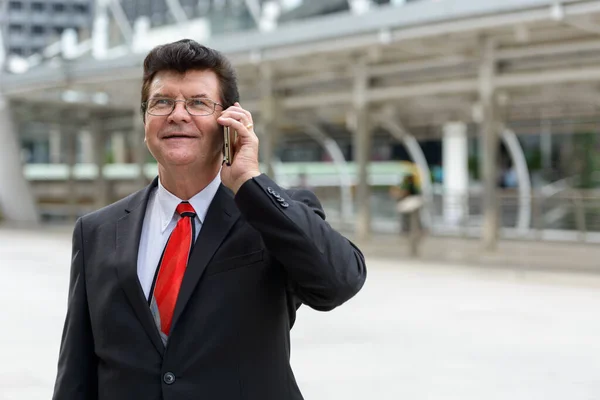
557,212
565,215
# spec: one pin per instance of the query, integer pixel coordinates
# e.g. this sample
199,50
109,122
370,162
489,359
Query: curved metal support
177,11
518,158
335,152
121,19
416,153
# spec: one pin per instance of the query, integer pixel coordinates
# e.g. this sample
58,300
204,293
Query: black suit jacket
257,258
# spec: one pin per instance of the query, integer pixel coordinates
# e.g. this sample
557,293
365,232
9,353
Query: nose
179,114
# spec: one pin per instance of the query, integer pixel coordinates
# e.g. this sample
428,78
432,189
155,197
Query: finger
239,116
244,132
238,108
234,123
248,114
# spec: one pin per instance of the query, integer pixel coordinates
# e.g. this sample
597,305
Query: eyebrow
196,96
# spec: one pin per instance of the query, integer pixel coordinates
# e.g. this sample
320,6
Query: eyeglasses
164,106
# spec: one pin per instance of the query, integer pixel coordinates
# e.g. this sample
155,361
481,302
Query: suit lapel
129,232
220,218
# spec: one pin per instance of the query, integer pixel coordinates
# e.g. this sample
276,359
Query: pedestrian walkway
418,330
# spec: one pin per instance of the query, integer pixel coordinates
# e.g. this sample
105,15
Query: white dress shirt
159,222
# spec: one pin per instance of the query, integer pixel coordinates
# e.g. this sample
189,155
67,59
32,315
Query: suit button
285,205
270,190
169,378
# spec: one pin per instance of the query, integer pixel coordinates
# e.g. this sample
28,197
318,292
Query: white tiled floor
416,331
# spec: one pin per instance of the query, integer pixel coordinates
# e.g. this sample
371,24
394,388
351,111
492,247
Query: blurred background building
28,26
494,106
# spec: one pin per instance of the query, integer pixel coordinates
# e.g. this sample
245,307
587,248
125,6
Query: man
408,201
188,288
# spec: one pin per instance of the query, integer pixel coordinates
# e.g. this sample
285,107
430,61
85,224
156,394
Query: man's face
181,139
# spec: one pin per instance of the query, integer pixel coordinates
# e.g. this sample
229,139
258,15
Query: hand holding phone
240,147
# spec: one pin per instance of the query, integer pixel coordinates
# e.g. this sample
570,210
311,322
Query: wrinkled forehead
191,83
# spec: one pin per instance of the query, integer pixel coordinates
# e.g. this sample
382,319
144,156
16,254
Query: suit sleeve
324,268
77,364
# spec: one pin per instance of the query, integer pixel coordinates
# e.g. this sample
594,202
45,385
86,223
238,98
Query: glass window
38,7
15,5
14,28
16,50
38,30
80,8
58,7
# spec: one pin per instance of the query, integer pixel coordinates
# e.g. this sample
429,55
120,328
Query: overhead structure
487,64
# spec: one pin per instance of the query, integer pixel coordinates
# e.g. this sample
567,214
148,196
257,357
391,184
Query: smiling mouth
178,136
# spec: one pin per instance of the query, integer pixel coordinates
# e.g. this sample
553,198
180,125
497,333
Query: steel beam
255,10
176,11
121,20
546,49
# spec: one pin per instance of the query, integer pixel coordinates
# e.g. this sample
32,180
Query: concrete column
456,171
100,29
268,118
362,150
140,150
489,145
546,145
55,145
70,136
119,147
102,185
86,146
16,199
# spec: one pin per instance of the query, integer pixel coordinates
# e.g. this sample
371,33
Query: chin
180,162
180,157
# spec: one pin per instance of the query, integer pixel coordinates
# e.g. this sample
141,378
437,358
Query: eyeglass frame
215,104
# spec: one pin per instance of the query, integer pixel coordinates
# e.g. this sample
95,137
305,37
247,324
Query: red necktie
171,269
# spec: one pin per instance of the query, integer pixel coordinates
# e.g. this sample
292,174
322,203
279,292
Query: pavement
465,328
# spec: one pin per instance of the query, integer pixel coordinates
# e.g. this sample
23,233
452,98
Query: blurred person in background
188,288
408,201
303,182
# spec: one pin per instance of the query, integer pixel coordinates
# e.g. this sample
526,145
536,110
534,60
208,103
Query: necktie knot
185,209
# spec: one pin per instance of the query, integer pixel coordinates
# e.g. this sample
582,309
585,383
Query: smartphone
228,141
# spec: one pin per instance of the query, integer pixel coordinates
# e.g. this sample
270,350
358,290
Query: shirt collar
168,202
